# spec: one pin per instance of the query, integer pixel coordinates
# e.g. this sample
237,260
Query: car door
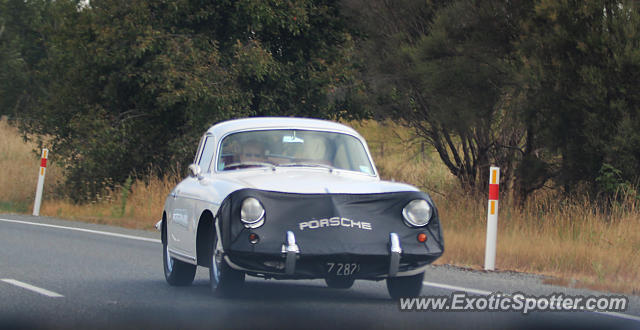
185,214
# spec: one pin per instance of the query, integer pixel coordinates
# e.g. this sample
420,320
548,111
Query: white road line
619,315
105,233
32,288
486,293
457,288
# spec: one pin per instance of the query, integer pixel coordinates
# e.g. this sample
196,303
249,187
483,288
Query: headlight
417,213
252,213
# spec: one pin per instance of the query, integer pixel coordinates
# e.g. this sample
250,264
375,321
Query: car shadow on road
275,291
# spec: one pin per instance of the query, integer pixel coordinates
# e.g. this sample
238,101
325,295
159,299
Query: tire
176,272
224,280
405,286
339,282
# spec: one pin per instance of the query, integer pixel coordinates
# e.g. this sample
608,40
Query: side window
207,154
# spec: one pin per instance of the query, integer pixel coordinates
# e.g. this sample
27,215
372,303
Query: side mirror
194,171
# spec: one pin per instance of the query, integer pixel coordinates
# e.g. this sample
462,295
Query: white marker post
43,170
492,219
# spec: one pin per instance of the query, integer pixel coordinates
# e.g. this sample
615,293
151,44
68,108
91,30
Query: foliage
581,67
124,195
449,76
292,57
132,84
20,48
547,90
611,185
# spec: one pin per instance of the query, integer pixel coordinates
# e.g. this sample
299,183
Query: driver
252,151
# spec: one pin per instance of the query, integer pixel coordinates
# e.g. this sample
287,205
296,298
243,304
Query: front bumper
304,232
294,264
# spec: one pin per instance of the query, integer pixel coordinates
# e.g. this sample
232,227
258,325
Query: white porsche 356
292,198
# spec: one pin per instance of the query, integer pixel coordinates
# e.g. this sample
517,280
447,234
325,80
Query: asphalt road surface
62,274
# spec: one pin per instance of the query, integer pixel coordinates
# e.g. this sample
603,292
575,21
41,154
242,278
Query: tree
131,85
447,70
21,48
293,57
581,67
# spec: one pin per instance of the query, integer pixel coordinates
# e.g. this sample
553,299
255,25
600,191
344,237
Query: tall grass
19,166
570,241
138,207
574,241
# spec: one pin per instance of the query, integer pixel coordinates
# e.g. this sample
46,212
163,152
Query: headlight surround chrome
417,213
252,213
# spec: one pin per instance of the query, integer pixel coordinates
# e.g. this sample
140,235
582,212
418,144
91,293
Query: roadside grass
573,242
19,164
140,208
14,207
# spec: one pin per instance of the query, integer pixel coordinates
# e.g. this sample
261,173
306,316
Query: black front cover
329,224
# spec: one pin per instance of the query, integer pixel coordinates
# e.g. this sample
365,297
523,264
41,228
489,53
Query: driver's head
252,151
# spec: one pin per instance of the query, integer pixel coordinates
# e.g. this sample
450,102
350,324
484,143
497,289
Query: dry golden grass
20,164
572,241
141,208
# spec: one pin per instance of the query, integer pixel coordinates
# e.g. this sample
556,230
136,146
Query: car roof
225,127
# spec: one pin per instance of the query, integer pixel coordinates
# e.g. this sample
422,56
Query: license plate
342,269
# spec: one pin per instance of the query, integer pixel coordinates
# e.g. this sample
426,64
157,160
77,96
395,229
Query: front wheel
176,272
224,280
405,286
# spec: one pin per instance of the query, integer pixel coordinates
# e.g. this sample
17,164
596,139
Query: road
62,274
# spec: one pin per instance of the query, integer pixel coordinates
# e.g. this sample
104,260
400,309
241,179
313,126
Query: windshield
293,148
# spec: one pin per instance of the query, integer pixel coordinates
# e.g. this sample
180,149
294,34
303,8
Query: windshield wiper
247,165
329,167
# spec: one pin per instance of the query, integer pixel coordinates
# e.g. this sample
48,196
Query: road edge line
32,288
486,293
105,233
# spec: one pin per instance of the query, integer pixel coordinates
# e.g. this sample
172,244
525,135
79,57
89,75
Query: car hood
314,181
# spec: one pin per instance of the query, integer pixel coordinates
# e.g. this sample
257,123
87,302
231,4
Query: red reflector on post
494,191
43,162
